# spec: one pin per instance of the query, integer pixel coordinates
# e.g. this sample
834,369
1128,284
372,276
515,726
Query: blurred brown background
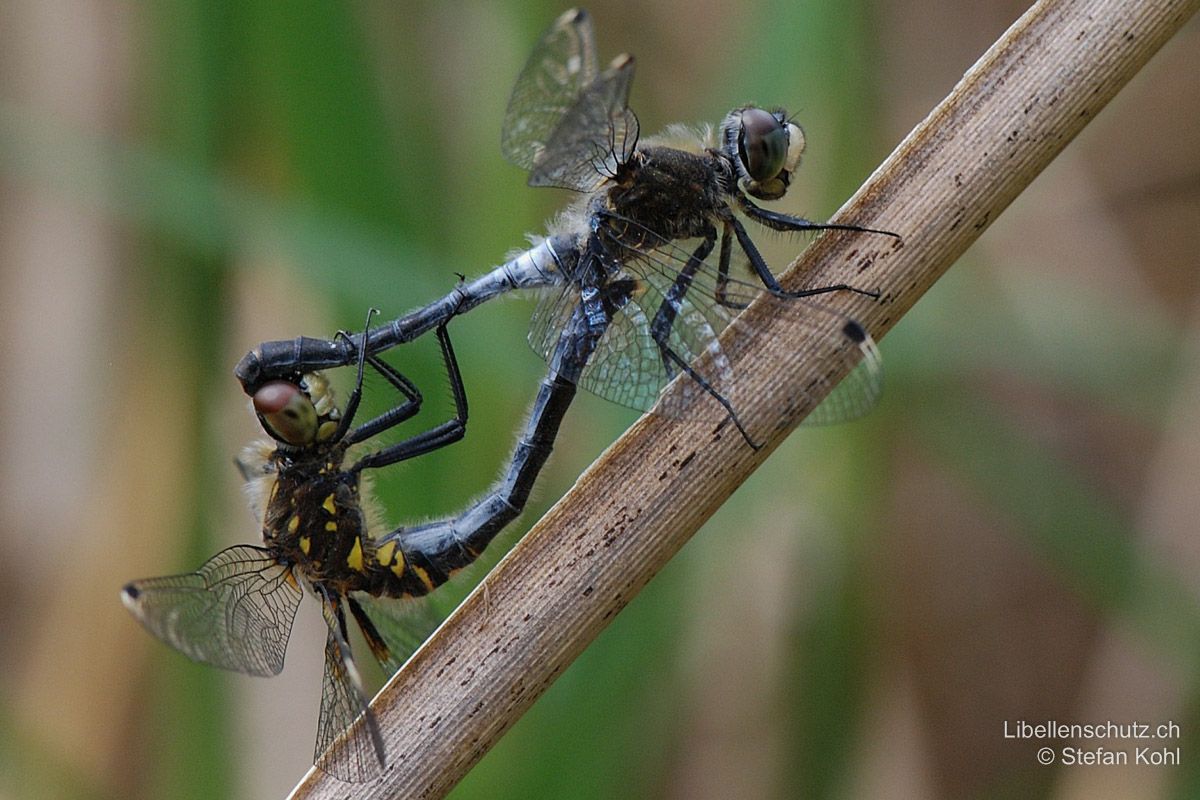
1011,536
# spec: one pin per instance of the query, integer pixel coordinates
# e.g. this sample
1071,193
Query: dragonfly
653,260
236,611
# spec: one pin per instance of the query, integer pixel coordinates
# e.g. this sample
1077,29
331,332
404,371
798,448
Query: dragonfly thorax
314,521
667,194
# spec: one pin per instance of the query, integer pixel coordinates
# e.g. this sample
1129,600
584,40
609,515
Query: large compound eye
762,144
286,413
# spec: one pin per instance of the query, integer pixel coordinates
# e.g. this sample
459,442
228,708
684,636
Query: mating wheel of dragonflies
236,610
635,292
642,273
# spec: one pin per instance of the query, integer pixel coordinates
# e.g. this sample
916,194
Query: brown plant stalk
631,511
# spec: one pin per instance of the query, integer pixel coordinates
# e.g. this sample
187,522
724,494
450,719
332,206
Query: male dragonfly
640,271
320,531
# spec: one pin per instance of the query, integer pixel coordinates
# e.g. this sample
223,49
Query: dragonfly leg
787,222
686,368
356,395
721,294
447,433
764,272
664,319
668,310
392,417
375,641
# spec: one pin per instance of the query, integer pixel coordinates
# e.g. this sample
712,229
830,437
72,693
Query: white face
795,147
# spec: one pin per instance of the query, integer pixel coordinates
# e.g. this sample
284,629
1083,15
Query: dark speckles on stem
686,460
983,221
618,604
958,217
587,592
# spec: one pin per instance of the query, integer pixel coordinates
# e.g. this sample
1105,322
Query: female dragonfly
320,531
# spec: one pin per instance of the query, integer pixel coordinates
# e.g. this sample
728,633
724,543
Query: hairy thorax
672,193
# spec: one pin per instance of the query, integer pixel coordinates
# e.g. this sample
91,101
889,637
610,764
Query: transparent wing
349,744
689,303
595,136
859,391
711,302
628,366
235,612
563,62
555,313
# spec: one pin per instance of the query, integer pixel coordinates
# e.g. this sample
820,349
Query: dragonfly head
765,148
297,414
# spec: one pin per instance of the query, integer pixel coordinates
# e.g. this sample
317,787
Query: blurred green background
1011,536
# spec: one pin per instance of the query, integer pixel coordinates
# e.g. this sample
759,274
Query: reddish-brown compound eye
286,413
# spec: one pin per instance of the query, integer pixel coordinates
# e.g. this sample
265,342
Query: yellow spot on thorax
355,559
305,543
331,526
329,506
294,523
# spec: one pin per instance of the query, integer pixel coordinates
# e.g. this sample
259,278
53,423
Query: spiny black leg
413,396
394,416
668,310
787,222
764,272
664,319
721,295
706,386
374,640
355,395
446,433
